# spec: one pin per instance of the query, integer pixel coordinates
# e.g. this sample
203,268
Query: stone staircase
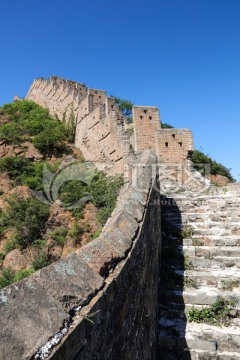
199,266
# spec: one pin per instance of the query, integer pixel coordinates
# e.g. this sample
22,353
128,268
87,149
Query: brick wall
102,134
174,145
100,125
114,277
170,145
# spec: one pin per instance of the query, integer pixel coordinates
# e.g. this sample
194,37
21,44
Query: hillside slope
43,177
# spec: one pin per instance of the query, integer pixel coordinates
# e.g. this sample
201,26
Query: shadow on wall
172,317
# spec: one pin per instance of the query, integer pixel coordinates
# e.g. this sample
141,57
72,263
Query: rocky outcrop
219,180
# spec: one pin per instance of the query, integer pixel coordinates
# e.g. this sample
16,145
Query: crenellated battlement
102,130
100,125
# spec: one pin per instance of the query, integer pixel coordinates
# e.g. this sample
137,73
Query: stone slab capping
114,279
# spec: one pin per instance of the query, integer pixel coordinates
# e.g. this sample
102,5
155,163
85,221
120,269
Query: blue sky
180,55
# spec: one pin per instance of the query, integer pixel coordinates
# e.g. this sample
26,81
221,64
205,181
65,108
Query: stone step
181,354
178,312
207,251
225,355
208,223
188,210
174,310
204,295
202,263
210,196
200,207
212,241
203,224
205,229
180,334
218,262
205,241
222,279
216,216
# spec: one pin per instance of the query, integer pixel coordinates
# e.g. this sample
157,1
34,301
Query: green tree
72,127
166,126
125,106
29,121
51,141
199,158
23,171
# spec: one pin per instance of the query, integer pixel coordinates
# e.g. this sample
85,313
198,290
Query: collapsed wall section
113,281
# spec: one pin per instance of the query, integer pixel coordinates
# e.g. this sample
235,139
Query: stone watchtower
173,147
146,122
170,145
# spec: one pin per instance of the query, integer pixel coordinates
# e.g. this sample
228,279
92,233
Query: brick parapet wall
115,275
101,129
174,145
100,125
170,145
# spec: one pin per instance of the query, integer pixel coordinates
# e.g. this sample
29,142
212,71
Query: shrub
199,158
41,261
186,232
22,274
12,133
197,242
220,313
23,171
72,191
10,276
187,264
7,277
28,217
190,283
71,128
10,245
78,213
59,235
51,141
166,126
130,131
29,121
40,243
229,285
102,192
126,107
75,232
97,233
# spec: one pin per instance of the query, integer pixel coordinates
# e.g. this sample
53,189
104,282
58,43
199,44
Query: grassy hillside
215,167
35,233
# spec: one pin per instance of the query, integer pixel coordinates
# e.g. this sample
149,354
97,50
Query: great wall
119,277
